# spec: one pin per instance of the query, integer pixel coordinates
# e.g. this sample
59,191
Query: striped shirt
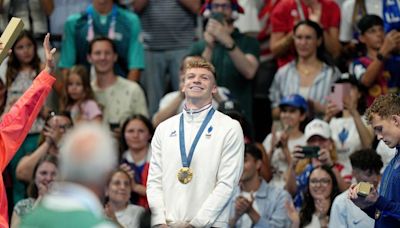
287,82
167,25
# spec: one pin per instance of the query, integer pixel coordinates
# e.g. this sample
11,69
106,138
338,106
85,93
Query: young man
234,55
374,69
366,165
257,203
16,123
384,205
197,158
120,97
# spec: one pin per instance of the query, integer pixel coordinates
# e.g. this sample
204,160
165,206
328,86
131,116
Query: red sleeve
281,19
330,14
16,123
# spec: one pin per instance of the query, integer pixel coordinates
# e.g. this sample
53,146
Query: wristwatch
380,57
231,47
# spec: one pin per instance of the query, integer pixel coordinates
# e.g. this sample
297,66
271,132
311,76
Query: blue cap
294,100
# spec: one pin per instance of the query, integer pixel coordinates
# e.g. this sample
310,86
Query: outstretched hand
49,54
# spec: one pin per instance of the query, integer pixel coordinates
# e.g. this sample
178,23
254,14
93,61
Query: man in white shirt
186,192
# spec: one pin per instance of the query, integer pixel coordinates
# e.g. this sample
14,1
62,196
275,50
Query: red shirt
15,126
285,15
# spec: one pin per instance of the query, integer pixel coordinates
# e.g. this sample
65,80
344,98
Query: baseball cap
294,100
317,127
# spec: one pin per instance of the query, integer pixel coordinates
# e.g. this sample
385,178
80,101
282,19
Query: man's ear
259,164
396,120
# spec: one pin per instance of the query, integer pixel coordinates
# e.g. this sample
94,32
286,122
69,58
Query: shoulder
128,15
285,68
72,19
125,83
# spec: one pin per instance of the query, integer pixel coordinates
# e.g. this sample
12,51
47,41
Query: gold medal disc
185,175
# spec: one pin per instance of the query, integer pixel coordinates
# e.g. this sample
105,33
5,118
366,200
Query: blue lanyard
187,160
111,29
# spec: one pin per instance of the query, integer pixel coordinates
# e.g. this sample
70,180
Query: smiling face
119,188
291,117
199,86
102,56
320,184
137,135
45,174
306,41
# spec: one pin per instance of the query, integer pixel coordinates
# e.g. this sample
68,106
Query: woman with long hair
136,135
44,174
318,199
310,75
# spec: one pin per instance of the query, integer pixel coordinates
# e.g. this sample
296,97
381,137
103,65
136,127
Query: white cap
317,127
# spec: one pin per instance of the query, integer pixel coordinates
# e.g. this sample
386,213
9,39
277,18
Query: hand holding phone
339,91
310,151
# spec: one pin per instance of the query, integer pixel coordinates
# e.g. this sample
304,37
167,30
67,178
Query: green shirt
227,74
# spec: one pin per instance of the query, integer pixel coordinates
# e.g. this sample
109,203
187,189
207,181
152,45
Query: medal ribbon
111,29
186,160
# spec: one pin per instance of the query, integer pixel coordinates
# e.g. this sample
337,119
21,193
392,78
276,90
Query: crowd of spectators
279,65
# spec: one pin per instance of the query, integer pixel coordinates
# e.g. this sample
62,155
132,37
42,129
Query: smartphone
310,151
218,17
363,189
114,126
339,91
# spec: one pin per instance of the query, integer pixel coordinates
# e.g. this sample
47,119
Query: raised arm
18,121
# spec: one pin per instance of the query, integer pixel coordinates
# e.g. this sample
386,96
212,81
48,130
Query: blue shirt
269,202
388,202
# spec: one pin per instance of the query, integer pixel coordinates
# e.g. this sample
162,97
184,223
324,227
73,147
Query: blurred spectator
287,13
44,174
352,12
22,67
264,75
350,132
318,134
168,32
376,70
322,188
117,206
34,14
248,23
136,134
56,126
119,97
62,10
233,54
79,97
172,103
104,18
366,165
281,142
86,156
256,202
310,75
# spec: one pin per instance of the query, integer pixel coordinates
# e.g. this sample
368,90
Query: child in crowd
377,71
280,144
79,97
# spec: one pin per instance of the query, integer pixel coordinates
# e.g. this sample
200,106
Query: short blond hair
384,106
198,62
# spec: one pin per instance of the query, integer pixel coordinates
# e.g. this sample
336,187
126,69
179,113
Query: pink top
88,110
15,126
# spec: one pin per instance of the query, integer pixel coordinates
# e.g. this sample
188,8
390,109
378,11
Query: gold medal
185,175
